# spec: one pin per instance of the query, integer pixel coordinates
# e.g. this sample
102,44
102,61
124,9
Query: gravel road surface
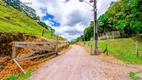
78,64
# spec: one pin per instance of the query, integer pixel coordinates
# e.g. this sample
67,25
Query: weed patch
20,76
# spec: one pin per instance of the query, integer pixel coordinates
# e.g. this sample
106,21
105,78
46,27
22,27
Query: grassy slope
12,20
123,49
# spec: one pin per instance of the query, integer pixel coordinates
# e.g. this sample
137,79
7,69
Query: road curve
77,64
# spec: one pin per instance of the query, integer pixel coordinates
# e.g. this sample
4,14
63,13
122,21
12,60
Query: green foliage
88,32
20,76
133,76
46,26
43,24
126,16
103,23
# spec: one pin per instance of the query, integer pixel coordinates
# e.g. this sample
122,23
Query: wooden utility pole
95,29
95,24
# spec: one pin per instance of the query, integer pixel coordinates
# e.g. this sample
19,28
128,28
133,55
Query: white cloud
65,14
70,32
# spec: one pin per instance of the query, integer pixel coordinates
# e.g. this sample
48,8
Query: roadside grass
20,76
133,76
12,20
123,49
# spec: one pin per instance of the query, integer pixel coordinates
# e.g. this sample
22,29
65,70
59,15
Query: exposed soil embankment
6,46
6,65
6,39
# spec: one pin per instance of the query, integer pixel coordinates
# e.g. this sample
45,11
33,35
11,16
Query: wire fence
135,50
130,51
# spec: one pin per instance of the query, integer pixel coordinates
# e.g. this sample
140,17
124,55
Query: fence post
91,47
51,34
57,45
106,49
137,52
42,33
19,66
13,50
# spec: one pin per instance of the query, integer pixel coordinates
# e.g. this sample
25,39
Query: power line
104,7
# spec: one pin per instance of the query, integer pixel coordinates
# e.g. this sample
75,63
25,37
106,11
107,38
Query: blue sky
67,0
49,17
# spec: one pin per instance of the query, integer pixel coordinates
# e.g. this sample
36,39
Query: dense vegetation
123,15
12,20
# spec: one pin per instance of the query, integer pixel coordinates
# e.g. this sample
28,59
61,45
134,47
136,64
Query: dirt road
77,64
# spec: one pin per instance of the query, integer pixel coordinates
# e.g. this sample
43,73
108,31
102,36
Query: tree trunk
104,29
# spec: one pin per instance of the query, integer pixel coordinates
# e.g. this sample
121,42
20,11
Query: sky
68,17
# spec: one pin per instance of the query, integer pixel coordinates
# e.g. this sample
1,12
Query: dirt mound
12,68
7,67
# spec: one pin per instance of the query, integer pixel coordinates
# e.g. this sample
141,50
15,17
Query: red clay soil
78,64
11,68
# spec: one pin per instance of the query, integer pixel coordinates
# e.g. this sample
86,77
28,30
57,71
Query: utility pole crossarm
88,4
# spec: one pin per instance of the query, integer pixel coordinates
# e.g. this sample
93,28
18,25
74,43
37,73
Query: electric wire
104,7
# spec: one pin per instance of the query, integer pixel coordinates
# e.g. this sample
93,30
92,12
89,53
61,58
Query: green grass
20,76
133,76
123,49
12,20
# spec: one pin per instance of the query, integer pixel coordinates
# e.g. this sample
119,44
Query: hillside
12,20
17,26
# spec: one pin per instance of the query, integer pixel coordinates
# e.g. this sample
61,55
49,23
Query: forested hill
15,19
123,15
